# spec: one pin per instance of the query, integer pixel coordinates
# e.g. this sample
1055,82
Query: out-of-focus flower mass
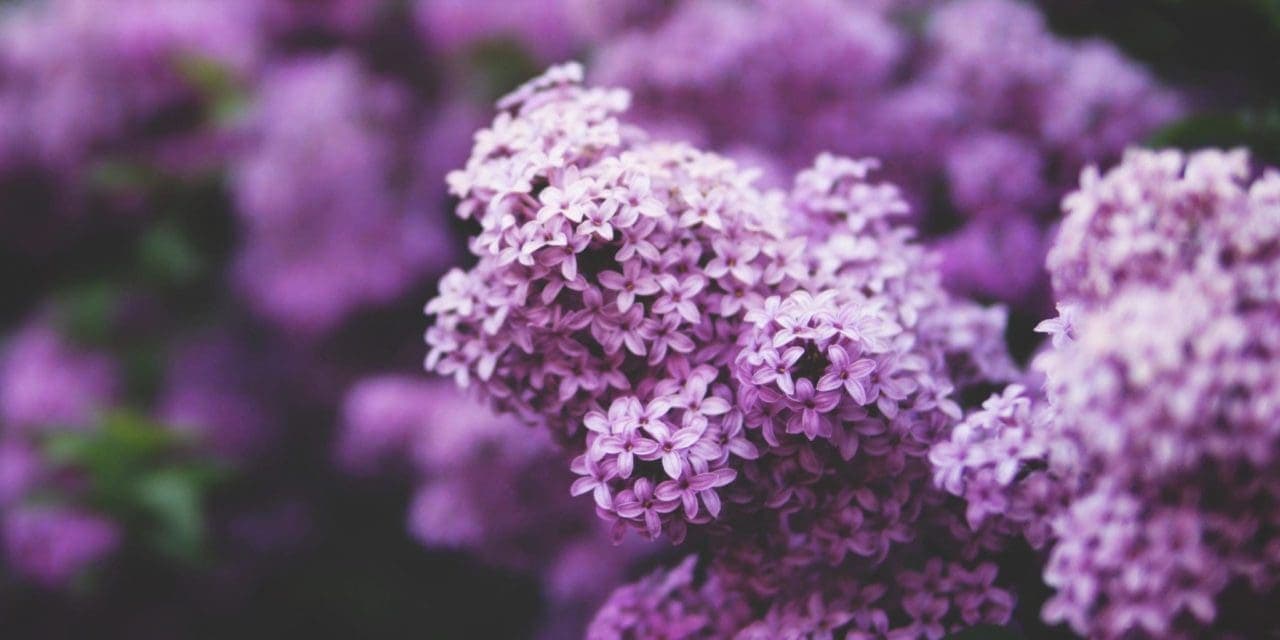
730,310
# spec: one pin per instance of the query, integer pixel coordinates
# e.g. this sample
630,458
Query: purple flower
47,383
629,284
678,297
688,488
318,246
640,502
627,445
809,406
846,372
671,446
53,545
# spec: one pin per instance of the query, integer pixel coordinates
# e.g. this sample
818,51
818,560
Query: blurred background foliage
1230,49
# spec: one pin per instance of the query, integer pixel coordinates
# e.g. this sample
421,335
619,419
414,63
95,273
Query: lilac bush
691,308
715,355
1146,465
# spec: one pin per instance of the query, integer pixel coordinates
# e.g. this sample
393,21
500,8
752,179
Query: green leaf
121,175
219,86
141,473
168,256
500,65
171,501
112,454
86,311
1257,129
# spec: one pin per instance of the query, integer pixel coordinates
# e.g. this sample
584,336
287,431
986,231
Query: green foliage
1257,129
85,312
142,474
114,175
498,66
217,85
168,257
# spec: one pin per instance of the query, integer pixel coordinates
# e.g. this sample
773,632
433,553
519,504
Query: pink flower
811,407
846,372
671,446
640,502
629,284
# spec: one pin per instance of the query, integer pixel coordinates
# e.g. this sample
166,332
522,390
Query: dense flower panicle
928,602
1149,464
997,460
593,301
1158,215
487,485
608,297
669,603
718,357
982,102
327,229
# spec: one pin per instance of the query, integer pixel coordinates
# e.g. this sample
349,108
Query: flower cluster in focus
720,358
1148,461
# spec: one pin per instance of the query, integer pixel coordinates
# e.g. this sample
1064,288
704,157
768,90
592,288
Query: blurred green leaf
206,75
172,500
142,473
144,369
500,65
168,256
217,84
86,311
123,442
1257,129
122,175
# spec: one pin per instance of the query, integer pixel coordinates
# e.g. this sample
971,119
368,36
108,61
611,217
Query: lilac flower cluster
716,355
925,603
325,229
996,461
484,488
1149,462
975,99
49,543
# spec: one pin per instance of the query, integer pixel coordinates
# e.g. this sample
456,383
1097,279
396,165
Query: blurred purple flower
46,383
54,545
327,229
